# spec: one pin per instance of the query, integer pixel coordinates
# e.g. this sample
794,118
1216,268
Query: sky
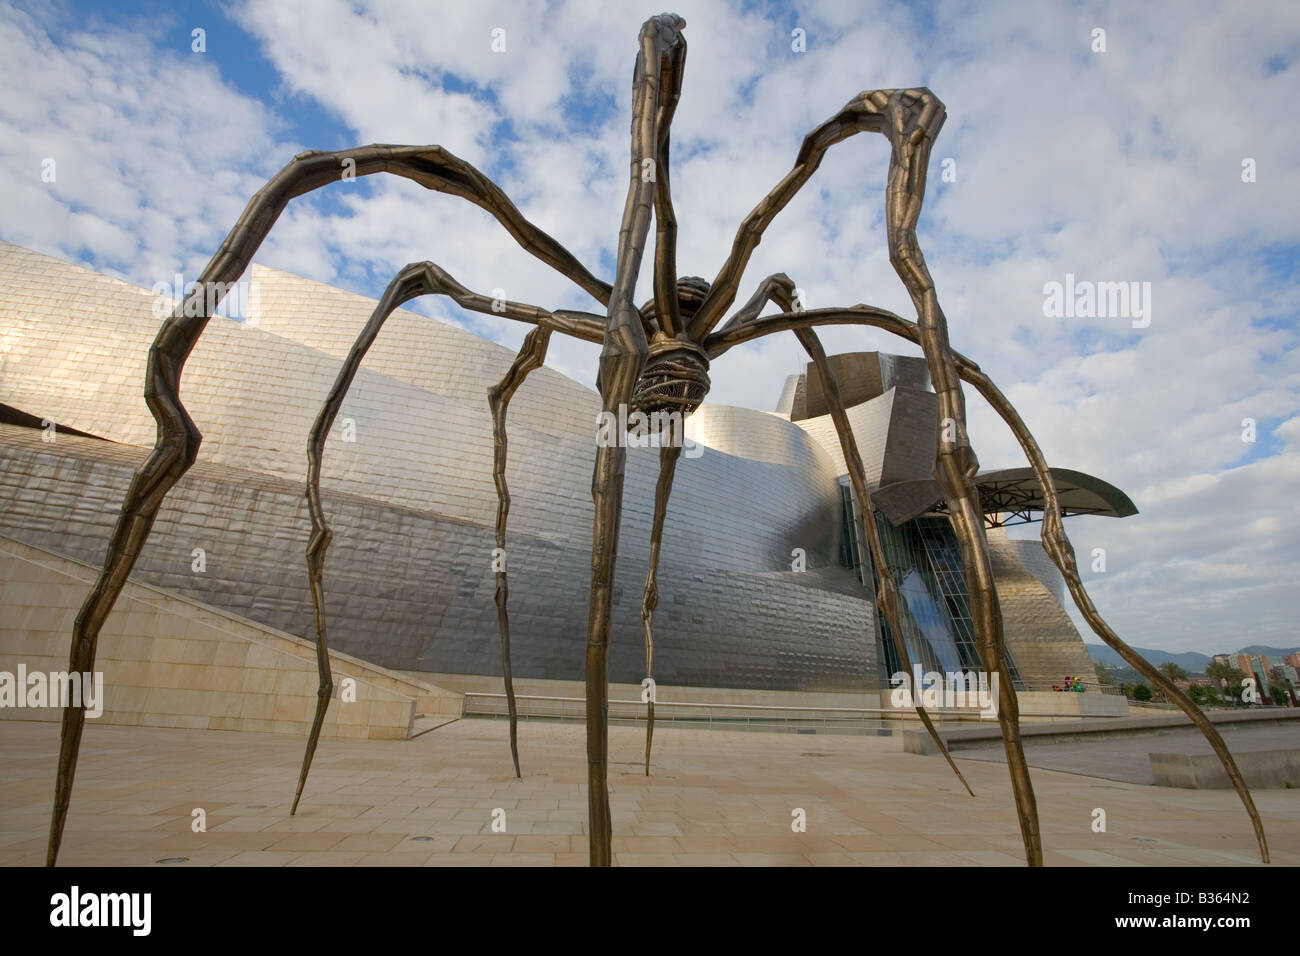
1162,151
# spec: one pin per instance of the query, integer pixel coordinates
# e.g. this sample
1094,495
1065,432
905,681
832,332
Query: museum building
408,491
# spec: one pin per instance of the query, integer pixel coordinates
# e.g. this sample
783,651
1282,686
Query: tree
1197,693
1173,671
1231,678
1142,692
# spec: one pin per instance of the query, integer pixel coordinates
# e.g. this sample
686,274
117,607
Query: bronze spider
653,359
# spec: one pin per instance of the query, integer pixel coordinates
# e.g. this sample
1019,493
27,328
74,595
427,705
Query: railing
1089,687
732,716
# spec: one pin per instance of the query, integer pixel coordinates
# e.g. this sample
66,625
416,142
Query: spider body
654,360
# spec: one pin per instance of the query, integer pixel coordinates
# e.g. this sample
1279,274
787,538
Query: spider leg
780,289
417,279
177,445
621,362
531,356
668,455
911,119
1055,542
665,272
887,596
1061,551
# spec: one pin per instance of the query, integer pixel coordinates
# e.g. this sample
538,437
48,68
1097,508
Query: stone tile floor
714,798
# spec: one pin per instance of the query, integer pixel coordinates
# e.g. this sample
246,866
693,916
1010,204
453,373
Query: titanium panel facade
410,498
408,580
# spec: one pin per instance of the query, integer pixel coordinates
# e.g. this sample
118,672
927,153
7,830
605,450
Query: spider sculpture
653,359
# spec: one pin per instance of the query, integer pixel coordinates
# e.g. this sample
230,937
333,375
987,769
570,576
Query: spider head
676,373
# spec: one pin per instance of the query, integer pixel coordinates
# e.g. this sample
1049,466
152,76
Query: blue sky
1114,165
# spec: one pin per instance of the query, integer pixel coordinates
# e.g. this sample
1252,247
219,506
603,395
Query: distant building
1257,667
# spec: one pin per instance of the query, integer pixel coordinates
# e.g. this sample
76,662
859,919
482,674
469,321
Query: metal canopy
1008,496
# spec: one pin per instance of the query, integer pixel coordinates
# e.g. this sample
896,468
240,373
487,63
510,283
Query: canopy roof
1008,494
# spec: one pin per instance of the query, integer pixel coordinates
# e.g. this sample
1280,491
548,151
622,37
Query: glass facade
925,560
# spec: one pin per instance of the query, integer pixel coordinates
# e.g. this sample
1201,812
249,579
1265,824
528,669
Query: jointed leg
665,265
1057,545
779,289
910,119
417,279
668,455
621,362
530,357
177,444
1055,541
887,594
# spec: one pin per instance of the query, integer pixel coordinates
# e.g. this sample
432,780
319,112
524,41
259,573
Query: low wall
1265,769
170,662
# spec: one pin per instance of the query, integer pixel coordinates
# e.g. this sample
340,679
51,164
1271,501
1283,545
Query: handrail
859,712
684,703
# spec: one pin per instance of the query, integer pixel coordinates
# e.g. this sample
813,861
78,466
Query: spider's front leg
177,444
911,119
621,361
1055,542
1057,545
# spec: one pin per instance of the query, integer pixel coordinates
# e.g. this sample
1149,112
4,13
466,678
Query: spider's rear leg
408,284
621,362
417,279
668,455
531,356
177,442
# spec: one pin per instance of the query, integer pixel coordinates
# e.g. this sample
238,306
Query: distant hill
1270,652
1190,661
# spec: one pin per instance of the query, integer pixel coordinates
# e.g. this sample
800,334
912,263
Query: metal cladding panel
856,373
414,590
791,392
411,500
1045,642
